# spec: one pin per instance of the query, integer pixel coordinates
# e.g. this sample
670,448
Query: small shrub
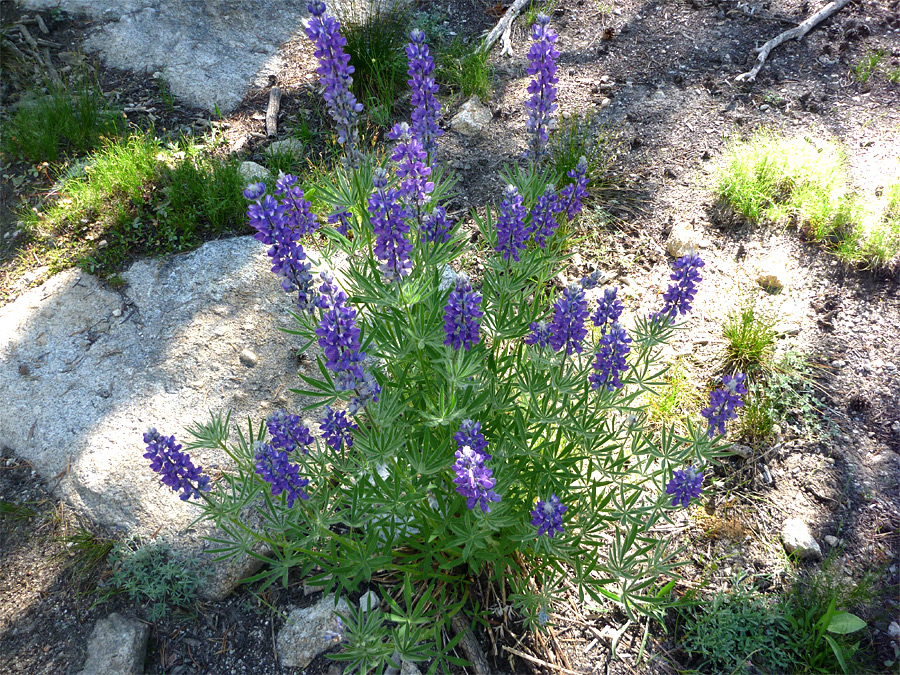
749,341
583,135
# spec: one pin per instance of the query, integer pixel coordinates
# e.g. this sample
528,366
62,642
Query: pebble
831,540
249,358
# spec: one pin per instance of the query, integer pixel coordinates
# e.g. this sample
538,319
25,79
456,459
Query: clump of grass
749,341
863,70
463,69
87,551
16,512
583,135
64,121
678,399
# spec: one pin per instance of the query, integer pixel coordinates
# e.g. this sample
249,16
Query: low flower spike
470,434
609,309
337,430
679,296
339,336
298,214
610,360
571,195
284,476
389,226
426,109
473,480
547,516
567,329
436,226
341,221
722,403
175,467
543,216
540,334
461,315
685,485
410,157
541,104
511,230
288,432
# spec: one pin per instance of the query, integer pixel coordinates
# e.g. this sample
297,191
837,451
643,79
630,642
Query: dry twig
540,662
272,111
501,28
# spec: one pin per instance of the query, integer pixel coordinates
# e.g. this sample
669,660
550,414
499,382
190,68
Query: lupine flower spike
175,467
511,231
288,432
461,315
541,104
685,485
543,216
679,296
470,434
389,226
609,309
610,363
410,156
722,403
336,429
571,195
436,226
283,476
473,480
567,329
540,334
547,516
426,109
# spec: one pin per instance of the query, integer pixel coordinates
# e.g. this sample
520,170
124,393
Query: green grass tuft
464,70
749,342
583,135
863,70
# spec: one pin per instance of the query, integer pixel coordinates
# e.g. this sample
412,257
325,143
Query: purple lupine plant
335,76
722,403
609,309
341,221
570,197
541,105
470,434
473,480
176,469
390,228
679,296
592,280
547,516
410,156
540,334
298,215
283,476
337,429
426,109
610,363
461,315
511,230
339,335
567,330
543,216
288,432
685,485
436,226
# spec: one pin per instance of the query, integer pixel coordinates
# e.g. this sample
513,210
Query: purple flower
685,485
436,226
284,476
254,191
567,328
426,109
547,516
592,280
473,480
461,315
722,403
470,434
573,193
540,334
609,309
679,296
410,156
335,76
341,219
297,214
175,467
288,432
610,359
541,105
511,230
543,216
389,225
337,429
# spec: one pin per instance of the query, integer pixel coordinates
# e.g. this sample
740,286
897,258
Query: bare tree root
502,28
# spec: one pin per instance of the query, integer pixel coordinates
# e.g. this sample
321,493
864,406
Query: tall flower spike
288,432
335,76
473,480
571,195
541,104
436,226
461,315
567,329
410,156
684,486
284,476
540,334
679,296
336,429
389,225
722,403
511,231
176,469
543,216
426,109
547,516
298,214
609,309
610,359
470,434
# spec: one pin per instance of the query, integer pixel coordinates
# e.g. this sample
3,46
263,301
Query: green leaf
838,653
843,623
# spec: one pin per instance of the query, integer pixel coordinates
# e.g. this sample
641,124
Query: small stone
251,170
772,272
302,637
684,239
117,647
659,95
117,312
289,146
472,118
248,358
740,450
799,540
605,103
368,601
839,363
831,540
410,668
894,630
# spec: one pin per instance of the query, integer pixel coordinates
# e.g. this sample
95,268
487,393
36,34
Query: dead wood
469,644
502,28
272,111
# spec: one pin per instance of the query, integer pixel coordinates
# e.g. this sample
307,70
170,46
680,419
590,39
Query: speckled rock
684,239
472,118
301,639
117,646
799,540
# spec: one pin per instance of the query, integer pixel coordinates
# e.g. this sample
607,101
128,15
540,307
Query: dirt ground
662,74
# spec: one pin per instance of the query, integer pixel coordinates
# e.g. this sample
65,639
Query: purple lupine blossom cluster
461,315
288,432
426,109
540,334
470,434
567,330
410,156
679,296
543,216
335,76
609,309
541,105
609,362
176,469
273,467
473,480
570,197
511,230
685,485
280,223
722,403
337,429
547,516
592,280
341,221
436,226
389,225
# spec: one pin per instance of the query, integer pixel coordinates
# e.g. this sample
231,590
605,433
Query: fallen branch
502,27
540,662
793,33
506,41
272,111
469,645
